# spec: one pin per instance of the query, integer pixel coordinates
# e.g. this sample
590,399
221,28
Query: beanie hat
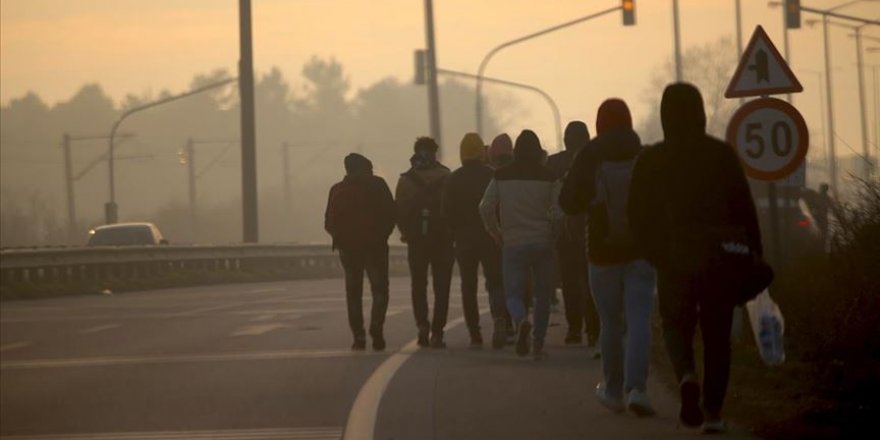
613,115
357,164
472,148
501,146
528,147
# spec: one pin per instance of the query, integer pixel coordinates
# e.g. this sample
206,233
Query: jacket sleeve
448,202
641,211
388,209
742,206
328,212
489,208
403,197
577,186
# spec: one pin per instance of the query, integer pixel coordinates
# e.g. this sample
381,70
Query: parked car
126,234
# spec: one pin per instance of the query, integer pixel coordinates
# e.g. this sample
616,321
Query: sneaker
437,342
538,351
714,426
360,343
573,338
423,337
378,342
640,404
690,415
613,404
476,340
522,338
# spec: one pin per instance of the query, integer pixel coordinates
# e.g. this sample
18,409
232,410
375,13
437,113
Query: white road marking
266,317
185,358
361,424
256,330
316,433
276,290
393,312
97,329
15,345
211,309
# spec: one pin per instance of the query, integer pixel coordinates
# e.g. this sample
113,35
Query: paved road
271,361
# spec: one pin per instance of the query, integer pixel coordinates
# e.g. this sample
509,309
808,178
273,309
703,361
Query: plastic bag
768,327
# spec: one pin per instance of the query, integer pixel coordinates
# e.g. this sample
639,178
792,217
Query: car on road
126,234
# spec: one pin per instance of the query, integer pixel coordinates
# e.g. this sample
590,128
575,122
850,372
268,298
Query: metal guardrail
61,265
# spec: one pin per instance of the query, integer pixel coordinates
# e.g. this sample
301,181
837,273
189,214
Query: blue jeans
517,262
624,295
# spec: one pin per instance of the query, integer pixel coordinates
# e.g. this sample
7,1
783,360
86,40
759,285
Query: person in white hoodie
526,192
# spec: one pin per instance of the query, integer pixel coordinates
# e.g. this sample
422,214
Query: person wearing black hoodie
684,190
473,245
360,217
621,280
571,249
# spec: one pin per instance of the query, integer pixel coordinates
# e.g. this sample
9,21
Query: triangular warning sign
762,70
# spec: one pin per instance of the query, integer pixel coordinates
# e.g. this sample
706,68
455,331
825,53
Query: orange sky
54,46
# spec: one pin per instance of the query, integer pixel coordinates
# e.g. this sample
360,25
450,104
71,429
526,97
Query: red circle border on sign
793,113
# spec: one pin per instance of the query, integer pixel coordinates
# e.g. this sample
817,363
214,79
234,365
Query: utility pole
191,168
68,180
866,151
679,76
250,225
832,155
433,91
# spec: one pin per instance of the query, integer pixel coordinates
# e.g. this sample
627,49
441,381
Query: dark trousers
580,310
470,254
688,300
374,261
439,256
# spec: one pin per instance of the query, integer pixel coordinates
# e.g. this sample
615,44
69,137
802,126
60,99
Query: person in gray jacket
526,192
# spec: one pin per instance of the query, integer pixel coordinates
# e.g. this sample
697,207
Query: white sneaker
613,404
640,404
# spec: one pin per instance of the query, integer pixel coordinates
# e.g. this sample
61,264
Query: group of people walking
614,220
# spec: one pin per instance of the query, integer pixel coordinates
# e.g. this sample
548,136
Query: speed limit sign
770,137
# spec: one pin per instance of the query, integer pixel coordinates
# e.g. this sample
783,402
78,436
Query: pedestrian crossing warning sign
762,70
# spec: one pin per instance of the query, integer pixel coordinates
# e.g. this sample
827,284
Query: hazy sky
55,46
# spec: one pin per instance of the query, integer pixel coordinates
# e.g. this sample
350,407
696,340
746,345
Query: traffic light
420,77
629,12
793,14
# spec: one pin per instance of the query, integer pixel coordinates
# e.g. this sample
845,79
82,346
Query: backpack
612,200
351,217
425,217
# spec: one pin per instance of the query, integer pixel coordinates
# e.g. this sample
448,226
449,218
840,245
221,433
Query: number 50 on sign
770,137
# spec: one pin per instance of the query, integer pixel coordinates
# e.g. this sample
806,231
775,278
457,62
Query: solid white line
361,424
15,345
256,330
317,433
174,359
97,329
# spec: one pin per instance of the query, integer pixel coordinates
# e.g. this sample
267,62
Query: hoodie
688,186
615,141
463,191
526,192
577,136
424,165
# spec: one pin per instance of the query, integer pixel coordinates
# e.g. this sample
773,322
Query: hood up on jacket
576,135
528,148
681,113
357,165
472,148
613,115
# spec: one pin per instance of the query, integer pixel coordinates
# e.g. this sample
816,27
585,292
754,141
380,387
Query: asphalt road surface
272,361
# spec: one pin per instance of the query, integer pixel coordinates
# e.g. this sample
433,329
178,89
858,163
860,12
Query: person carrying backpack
462,193
621,280
360,218
429,242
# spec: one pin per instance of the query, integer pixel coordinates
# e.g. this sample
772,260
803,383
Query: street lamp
496,49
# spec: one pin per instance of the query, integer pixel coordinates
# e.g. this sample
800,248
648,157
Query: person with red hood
473,245
360,218
621,280
501,151
685,190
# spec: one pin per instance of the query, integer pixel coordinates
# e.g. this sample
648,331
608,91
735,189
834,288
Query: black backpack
425,217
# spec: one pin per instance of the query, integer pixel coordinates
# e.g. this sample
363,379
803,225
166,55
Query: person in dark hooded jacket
571,248
474,246
424,229
683,191
360,217
621,280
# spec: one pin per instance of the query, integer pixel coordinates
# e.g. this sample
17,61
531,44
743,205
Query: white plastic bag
768,326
